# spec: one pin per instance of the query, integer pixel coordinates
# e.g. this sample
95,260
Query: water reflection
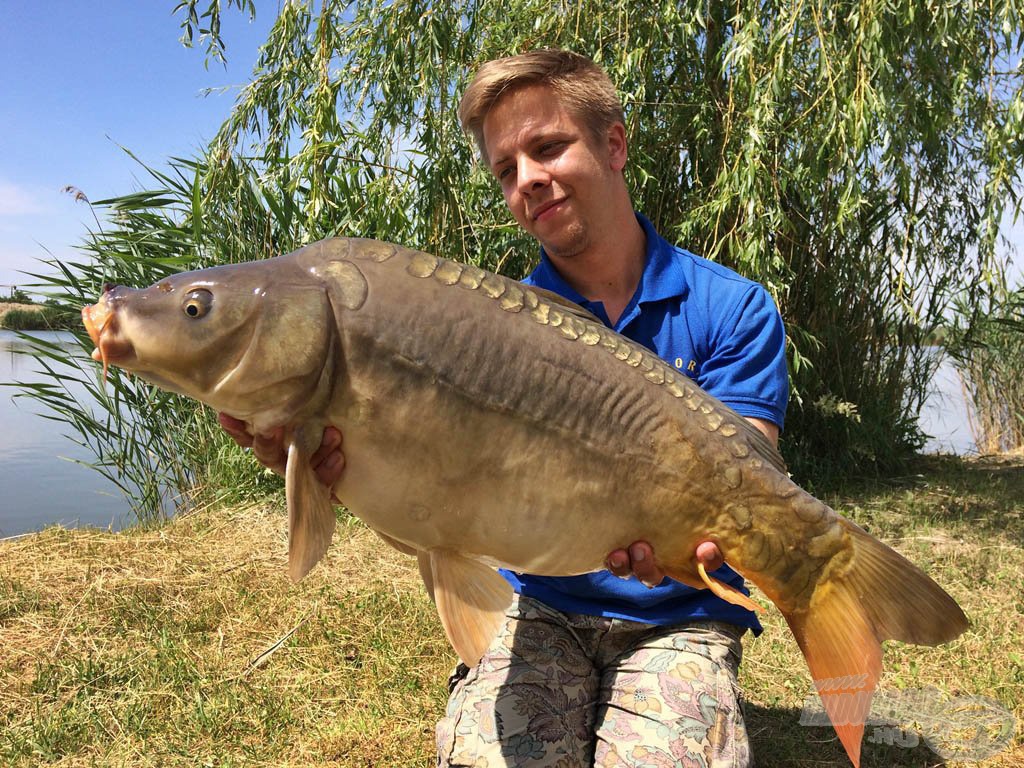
40,483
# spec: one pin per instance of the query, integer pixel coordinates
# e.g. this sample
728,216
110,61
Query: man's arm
770,430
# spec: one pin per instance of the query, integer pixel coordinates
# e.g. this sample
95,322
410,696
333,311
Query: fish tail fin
845,659
876,595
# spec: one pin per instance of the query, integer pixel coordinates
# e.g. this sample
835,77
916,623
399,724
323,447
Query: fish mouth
100,323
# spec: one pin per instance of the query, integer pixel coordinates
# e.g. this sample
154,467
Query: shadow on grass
983,495
779,741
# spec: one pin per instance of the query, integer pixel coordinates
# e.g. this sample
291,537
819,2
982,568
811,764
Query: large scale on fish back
487,423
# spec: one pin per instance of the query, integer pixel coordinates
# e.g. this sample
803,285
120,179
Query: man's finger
330,469
618,563
329,443
269,449
641,555
709,554
236,429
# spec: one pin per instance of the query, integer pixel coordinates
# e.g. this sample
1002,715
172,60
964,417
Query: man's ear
617,146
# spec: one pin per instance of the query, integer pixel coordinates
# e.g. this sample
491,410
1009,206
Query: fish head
248,339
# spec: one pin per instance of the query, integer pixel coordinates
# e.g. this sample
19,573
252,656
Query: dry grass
6,306
187,645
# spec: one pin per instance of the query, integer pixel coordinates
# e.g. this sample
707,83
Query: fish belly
494,487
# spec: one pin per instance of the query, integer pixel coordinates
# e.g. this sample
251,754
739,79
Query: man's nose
531,175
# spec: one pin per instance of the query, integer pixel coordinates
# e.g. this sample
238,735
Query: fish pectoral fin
725,591
471,600
311,517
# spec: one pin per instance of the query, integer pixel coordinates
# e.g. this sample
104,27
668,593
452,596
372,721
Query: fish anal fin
422,560
471,600
311,519
704,580
426,573
726,592
684,576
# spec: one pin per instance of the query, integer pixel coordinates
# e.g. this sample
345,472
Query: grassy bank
33,317
187,645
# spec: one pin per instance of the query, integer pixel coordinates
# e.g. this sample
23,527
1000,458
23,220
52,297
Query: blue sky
79,79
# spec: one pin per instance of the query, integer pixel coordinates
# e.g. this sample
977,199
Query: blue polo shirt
725,333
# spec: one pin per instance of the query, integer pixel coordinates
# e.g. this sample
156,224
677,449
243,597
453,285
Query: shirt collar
663,276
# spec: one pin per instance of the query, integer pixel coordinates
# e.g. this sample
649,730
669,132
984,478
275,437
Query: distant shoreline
15,316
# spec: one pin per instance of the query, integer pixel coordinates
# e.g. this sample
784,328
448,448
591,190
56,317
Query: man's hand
638,560
328,461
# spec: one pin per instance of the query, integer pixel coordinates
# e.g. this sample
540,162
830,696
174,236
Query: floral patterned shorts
564,690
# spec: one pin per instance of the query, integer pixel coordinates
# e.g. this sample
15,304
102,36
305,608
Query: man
595,670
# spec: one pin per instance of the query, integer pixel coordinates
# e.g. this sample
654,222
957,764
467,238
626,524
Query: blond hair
576,81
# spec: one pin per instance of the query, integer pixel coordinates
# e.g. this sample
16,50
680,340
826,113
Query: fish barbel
489,424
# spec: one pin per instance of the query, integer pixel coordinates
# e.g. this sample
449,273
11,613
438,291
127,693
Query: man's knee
674,698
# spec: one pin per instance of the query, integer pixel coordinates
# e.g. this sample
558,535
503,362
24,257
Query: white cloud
16,200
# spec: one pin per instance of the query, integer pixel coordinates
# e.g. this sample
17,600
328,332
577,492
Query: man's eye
550,148
504,172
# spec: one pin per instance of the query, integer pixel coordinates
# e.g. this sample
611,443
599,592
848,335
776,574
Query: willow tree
854,157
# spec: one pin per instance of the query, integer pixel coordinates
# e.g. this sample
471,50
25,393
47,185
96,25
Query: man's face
556,178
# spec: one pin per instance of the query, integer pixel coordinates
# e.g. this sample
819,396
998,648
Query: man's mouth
546,208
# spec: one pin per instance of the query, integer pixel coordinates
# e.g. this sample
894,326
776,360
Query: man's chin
567,247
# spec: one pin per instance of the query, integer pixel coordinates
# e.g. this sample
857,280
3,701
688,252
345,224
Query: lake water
944,415
41,484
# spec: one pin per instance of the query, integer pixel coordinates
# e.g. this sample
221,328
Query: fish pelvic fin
422,561
472,600
873,595
311,519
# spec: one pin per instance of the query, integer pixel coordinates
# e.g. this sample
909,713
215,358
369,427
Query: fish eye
197,302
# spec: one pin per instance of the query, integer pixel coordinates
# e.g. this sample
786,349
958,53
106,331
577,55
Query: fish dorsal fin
760,444
564,304
311,518
471,600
